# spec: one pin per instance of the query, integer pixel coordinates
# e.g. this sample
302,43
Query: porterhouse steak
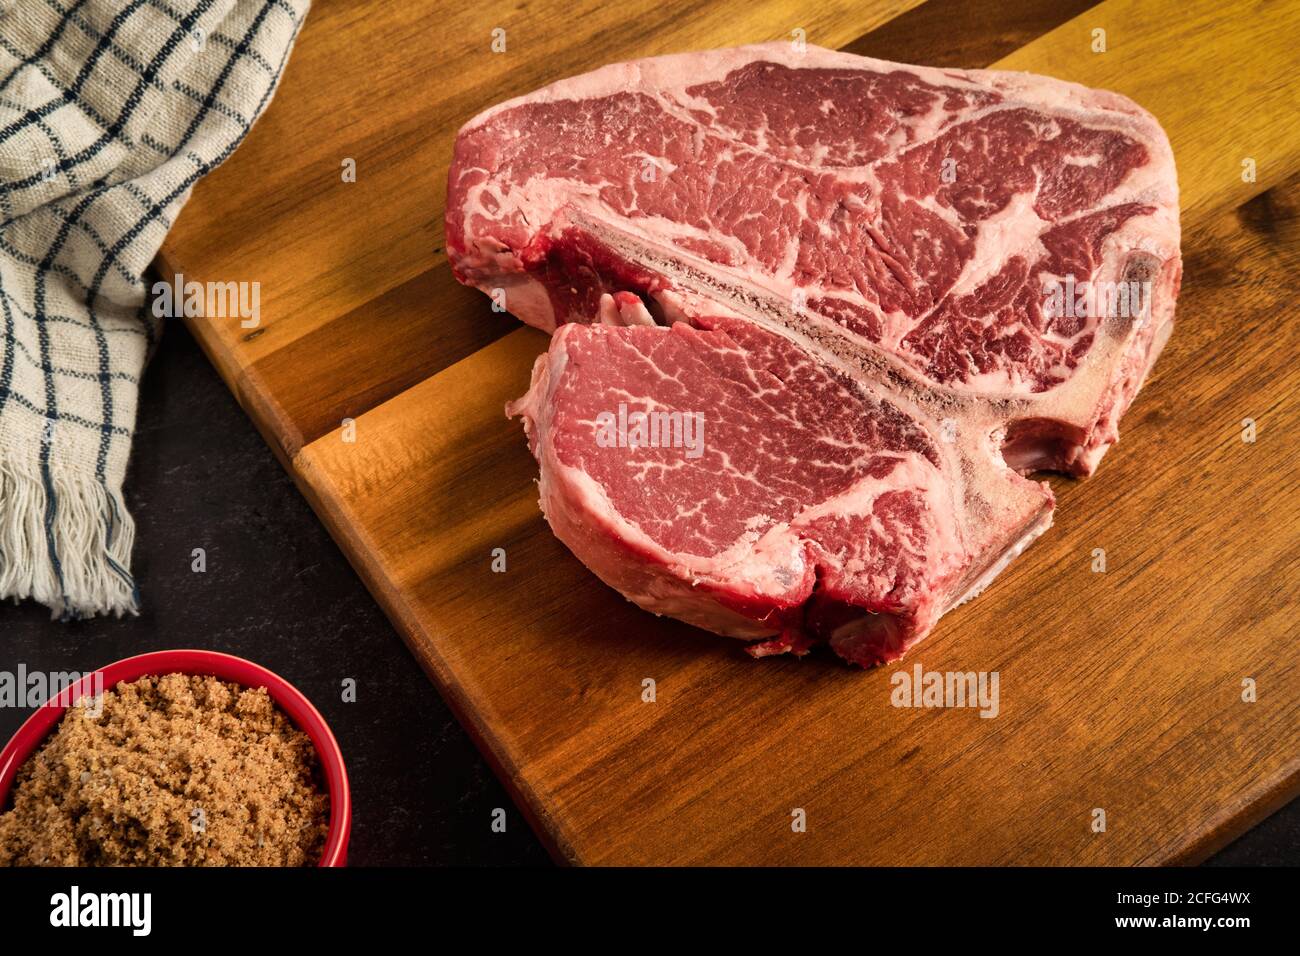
815,318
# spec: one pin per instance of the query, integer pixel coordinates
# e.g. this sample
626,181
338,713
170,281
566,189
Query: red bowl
226,667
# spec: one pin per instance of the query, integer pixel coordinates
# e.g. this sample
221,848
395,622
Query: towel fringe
84,573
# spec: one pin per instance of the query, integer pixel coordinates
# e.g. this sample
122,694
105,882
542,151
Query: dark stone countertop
278,591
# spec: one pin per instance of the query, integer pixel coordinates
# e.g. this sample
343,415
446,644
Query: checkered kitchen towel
110,111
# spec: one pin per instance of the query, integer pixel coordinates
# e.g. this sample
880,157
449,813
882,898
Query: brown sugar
175,770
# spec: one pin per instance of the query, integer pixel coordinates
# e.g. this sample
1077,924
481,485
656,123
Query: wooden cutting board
1120,691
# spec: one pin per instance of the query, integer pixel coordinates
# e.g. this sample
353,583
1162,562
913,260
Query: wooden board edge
257,401
1249,810
316,487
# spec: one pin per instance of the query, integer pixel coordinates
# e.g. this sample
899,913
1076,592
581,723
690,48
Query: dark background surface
278,591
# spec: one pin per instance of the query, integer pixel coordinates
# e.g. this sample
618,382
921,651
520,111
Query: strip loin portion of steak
888,291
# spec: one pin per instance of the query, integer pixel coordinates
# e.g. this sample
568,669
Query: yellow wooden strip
449,438
1220,77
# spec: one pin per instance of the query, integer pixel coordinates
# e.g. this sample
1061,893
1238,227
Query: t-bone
845,266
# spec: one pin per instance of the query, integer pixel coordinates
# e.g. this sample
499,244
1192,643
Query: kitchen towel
110,111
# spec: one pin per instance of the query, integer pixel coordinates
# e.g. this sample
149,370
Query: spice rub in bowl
171,770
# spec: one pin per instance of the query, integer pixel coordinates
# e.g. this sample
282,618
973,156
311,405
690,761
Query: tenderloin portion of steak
894,288
767,494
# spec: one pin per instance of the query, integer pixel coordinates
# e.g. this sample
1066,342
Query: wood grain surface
1119,690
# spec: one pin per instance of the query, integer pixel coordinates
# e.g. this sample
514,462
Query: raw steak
815,317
